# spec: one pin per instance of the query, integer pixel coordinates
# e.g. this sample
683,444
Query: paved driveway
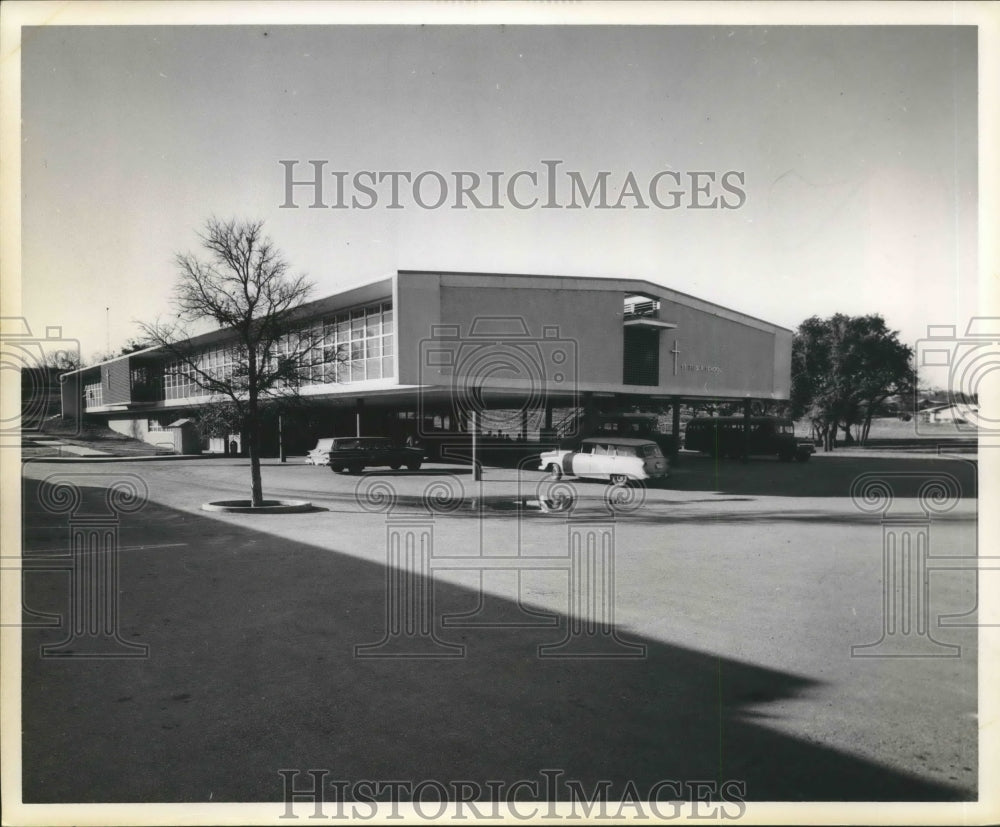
746,586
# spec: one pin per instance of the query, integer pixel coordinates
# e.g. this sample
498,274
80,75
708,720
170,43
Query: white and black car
617,459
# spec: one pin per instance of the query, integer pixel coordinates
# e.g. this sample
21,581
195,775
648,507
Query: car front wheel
555,472
413,466
618,479
337,469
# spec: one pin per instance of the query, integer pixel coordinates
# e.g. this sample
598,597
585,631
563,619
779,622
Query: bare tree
63,360
244,287
131,346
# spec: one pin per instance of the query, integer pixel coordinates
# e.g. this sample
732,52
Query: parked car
354,454
614,458
320,455
722,436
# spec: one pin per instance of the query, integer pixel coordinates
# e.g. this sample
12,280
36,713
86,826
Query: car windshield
648,451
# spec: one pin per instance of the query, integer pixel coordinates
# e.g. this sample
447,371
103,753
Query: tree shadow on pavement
251,670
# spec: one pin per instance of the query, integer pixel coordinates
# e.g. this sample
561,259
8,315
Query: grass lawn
85,435
893,429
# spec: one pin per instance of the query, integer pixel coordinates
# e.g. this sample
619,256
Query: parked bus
722,436
635,426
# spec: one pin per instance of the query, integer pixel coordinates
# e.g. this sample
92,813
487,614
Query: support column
477,471
589,413
675,427
547,435
359,405
745,452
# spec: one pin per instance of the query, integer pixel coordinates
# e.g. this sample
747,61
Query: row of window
353,346
178,382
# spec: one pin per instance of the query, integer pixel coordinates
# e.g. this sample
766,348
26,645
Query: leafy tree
843,370
218,420
243,287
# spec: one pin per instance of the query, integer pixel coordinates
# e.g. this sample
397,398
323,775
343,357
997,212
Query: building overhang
655,324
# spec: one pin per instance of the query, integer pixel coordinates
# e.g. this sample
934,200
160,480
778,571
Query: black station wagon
354,454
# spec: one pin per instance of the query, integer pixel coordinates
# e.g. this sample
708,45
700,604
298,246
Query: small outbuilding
187,440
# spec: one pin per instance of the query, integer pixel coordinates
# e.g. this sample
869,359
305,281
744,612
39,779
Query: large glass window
352,346
357,345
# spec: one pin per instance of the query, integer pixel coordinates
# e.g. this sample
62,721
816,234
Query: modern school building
427,354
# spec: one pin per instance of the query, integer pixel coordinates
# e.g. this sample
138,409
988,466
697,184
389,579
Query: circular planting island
268,507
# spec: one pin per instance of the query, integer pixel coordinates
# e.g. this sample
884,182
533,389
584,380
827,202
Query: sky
856,148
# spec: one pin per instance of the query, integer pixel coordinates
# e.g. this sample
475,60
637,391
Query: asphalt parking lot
745,586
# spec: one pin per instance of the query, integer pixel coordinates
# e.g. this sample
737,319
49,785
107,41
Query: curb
102,458
269,507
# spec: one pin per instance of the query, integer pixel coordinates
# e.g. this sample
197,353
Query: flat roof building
430,347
